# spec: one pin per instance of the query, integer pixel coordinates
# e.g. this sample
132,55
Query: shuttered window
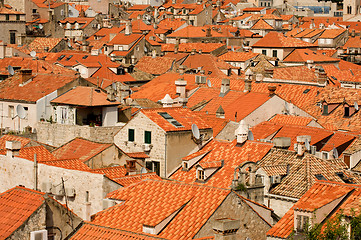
131,135
147,137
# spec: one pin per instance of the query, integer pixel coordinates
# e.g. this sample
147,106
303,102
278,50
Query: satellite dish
335,153
69,44
143,170
33,54
307,145
20,111
11,70
250,135
209,84
356,105
195,131
41,26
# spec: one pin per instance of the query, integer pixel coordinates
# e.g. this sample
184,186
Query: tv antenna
11,70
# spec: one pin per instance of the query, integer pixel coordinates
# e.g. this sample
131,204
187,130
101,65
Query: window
347,111
17,17
325,155
320,177
346,159
264,52
34,10
147,137
325,110
274,53
200,174
149,165
7,17
11,112
131,135
12,38
302,222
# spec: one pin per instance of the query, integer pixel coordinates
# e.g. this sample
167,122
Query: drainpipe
35,173
165,155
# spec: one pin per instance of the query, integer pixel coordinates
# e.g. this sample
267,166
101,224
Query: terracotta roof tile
232,156
291,120
151,201
261,24
155,66
237,56
73,164
195,32
16,207
332,33
122,39
24,141
184,116
132,179
138,155
91,231
304,55
39,44
84,96
188,47
275,39
80,148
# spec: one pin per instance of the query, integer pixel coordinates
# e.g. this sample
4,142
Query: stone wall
37,221
58,134
251,224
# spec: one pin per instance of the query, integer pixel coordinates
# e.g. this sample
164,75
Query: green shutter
147,137
131,135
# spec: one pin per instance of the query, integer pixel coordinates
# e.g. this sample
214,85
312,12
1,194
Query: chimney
220,112
272,90
225,228
154,54
321,75
133,59
174,1
310,63
193,52
282,142
290,26
50,15
241,133
181,87
2,3
110,94
25,75
85,46
353,33
128,28
208,32
247,85
167,101
176,49
12,148
200,51
181,69
225,86
301,148
312,23
269,72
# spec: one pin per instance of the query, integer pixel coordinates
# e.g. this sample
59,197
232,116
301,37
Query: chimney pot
12,148
272,90
25,75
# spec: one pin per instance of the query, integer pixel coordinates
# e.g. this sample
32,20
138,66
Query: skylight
306,91
320,177
170,119
61,57
69,57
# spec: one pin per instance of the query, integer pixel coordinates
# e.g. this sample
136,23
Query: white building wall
141,123
15,123
18,171
43,106
110,116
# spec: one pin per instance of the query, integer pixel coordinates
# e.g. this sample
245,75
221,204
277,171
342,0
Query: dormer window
185,165
347,111
325,110
200,173
302,223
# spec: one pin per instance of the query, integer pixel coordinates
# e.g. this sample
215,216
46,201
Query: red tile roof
277,40
304,55
132,179
232,156
237,56
195,32
111,172
81,149
39,44
24,141
291,120
321,193
85,96
89,231
261,24
73,164
155,66
188,47
16,207
122,39
151,201
332,33
183,115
